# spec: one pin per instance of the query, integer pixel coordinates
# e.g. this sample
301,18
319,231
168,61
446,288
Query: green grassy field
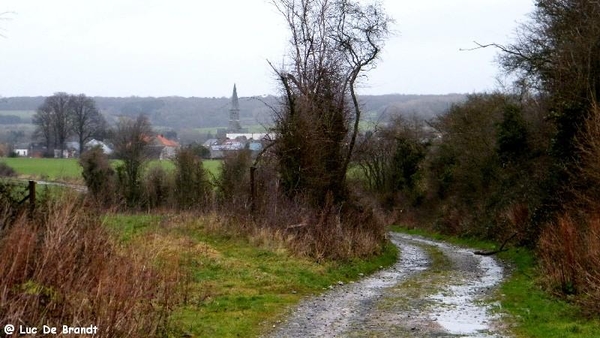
237,288
45,168
534,312
56,169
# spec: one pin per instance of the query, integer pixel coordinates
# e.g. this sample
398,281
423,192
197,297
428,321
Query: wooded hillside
199,112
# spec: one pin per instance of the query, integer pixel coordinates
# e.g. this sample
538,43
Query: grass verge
236,287
533,312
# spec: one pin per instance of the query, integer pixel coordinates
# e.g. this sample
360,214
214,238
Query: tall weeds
569,248
569,254
65,269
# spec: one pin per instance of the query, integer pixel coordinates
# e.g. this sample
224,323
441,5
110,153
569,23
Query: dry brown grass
569,249
569,252
332,232
65,269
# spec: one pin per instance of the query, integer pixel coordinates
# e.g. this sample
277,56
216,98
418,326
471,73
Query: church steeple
234,113
234,99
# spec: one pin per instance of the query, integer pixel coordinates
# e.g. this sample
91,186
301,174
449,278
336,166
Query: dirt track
434,290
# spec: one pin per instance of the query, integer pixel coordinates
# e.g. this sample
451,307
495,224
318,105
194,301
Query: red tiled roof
166,142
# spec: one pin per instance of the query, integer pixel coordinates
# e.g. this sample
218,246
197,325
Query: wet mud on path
434,290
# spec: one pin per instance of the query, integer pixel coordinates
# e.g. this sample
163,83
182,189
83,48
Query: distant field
45,168
255,128
207,130
24,114
213,166
68,169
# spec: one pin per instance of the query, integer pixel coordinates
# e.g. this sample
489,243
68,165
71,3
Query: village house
21,150
162,148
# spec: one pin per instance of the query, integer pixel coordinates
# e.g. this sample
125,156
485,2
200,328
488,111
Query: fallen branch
294,226
489,253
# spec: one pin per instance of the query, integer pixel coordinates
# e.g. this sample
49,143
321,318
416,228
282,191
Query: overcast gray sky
200,48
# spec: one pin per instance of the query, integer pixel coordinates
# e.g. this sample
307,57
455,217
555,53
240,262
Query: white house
253,136
22,152
105,148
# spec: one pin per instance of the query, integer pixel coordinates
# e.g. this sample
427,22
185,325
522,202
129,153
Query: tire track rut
434,290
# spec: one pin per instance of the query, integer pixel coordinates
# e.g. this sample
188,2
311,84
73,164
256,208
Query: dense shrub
158,188
131,139
192,185
199,150
6,170
489,160
233,184
11,208
98,175
391,160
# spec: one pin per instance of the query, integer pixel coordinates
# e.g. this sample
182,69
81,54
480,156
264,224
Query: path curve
434,290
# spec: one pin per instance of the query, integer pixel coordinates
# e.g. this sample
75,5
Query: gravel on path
434,290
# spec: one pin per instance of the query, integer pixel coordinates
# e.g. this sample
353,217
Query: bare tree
62,116
44,130
332,43
86,120
53,121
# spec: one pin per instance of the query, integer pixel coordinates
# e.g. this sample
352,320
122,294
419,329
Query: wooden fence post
31,198
252,190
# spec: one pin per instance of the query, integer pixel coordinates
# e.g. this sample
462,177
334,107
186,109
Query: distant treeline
181,112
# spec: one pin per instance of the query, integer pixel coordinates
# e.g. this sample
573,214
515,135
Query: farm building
163,148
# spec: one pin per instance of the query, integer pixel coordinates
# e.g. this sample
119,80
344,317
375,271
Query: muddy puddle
460,306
